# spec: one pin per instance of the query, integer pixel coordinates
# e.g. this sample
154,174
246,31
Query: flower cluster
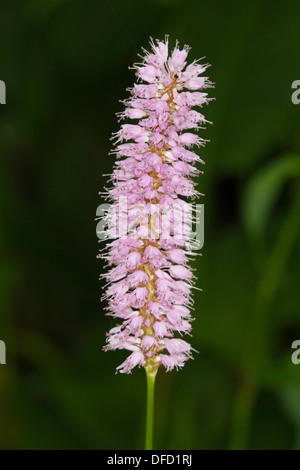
149,278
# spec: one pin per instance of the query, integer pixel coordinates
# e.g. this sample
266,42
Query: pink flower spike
149,280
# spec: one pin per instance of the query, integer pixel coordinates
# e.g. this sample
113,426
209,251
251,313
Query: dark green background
65,64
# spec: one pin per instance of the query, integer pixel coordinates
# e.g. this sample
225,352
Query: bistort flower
149,277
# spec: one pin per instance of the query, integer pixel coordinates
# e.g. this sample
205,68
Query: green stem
150,407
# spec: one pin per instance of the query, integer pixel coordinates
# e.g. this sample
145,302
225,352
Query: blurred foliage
65,64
